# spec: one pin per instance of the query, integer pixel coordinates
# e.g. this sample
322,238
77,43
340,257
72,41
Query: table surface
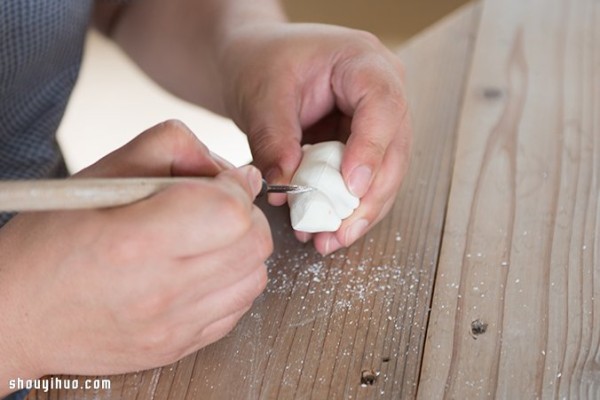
481,281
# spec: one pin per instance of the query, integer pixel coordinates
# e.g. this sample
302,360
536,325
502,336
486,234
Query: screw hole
478,327
368,377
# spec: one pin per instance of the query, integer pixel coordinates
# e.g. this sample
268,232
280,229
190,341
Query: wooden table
481,282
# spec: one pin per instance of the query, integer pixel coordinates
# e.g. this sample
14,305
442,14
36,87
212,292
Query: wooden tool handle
70,194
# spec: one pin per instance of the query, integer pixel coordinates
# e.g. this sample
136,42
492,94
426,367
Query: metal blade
290,189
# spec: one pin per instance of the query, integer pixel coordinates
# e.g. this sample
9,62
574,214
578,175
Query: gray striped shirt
41,44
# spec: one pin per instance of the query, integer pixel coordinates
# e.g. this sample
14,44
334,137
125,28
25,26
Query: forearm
178,42
14,352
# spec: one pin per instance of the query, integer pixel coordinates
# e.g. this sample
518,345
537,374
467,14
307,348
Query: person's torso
41,44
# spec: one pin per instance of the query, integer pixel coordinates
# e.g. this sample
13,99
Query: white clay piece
324,208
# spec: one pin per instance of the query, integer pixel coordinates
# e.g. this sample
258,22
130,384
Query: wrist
234,15
235,20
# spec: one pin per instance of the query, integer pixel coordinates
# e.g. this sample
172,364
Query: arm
178,42
284,84
94,292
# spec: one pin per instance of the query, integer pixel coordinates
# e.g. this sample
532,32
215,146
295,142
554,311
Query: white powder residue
326,285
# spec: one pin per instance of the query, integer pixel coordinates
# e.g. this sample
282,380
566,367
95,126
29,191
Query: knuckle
255,284
267,146
174,356
234,213
264,239
242,299
267,139
157,338
364,79
175,126
265,246
373,148
230,324
150,306
124,248
174,134
382,77
369,38
390,90
260,282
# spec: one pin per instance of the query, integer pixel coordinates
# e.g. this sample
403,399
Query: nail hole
385,359
368,377
478,327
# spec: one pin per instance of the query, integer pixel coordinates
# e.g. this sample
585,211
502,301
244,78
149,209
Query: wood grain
521,243
324,321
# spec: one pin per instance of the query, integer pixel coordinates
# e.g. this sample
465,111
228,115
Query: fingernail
221,161
355,230
331,245
254,179
304,237
359,180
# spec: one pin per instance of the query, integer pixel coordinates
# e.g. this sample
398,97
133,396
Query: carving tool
289,189
72,194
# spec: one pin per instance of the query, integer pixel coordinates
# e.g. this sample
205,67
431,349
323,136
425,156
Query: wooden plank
522,238
323,321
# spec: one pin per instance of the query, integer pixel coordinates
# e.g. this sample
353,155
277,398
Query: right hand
115,290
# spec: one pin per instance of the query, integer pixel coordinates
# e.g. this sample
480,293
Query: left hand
289,84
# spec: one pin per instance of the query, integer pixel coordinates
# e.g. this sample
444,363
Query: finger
167,149
326,243
234,298
371,92
274,134
303,237
223,163
193,337
189,218
217,330
247,178
377,202
221,268
373,206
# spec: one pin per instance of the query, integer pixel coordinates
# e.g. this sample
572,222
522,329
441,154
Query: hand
294,83
129,288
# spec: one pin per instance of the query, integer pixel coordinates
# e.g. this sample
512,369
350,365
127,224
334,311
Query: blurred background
393,21
114,101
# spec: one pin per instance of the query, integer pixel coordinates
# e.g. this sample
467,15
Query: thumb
167,149
274,134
